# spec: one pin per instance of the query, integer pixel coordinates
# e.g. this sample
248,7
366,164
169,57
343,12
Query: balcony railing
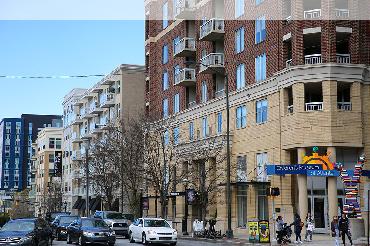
212,29
290,109
76,138
186,77
77,120
312,14
220,93
212,61
108,100
289,63
345,106
343,58
341,13
185,47
192,104
313,59
95,108
314,106
184,9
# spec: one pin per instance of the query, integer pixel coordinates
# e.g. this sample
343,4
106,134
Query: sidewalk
318,239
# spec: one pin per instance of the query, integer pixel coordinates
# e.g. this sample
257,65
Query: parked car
90,230
152,230
118,222
50,217
60,224
35,231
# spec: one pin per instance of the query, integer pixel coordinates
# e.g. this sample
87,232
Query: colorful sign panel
253,232
264,231
326,173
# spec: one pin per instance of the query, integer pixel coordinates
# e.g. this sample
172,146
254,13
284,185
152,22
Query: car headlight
151,232
88,234
25,239
175,232
111,233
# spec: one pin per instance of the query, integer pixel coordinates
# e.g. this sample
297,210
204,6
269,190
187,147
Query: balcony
97,129
77,120
345,106
314,106
212,30
312,14
76,138
76,156
344,58
288,63
342,13
312,59
185,48
86,134
185,9
108,101
220,93
95,108
213,63
186,77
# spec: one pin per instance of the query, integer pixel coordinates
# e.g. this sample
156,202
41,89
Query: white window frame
239,8
239,39
240,76
176,103
261,111
205,128
204,92
241,117
260,67
165,107
165,15
261,161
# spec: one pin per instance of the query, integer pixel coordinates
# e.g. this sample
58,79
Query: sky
59,48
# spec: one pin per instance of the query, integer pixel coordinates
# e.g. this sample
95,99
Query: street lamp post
186,212
141,202
65,206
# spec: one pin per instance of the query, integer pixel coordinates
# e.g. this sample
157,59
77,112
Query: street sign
326,173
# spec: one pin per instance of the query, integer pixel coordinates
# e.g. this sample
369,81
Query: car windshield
114,216
156,223
128,216
19,226
94,223
67,219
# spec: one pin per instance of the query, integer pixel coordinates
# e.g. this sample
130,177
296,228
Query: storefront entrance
318,207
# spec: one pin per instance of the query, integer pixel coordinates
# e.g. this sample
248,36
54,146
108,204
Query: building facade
294,82
115,99
48,176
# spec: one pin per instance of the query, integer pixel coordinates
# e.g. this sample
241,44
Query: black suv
26,232
60,224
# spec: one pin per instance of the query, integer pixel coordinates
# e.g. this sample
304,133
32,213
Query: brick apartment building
297,80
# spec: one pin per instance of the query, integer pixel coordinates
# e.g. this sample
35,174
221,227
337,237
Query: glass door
319,212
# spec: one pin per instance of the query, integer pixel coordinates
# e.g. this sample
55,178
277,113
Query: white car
152,230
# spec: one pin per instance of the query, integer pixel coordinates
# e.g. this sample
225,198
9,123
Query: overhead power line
52,77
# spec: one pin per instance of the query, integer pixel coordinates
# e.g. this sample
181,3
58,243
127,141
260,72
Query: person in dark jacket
344,229
297,228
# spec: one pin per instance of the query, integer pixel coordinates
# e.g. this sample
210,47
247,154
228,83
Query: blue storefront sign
326,173
291,169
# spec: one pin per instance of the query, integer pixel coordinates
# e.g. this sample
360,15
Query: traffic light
273,191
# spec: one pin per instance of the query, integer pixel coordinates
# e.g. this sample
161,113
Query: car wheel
81,241
69,241
131,238
143,239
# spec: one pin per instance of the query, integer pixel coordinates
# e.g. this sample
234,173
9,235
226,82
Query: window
52,143
241,172
166,138
240,76
176,71
260,67
241,117
176,135
165,54
175,42
239,40
204,92
58,142
261,109
191,131
165,80
51,158
219,122
205,130
165,108
30,128
261,167
239,8
176,103
165,15
260,29
8,125
259,2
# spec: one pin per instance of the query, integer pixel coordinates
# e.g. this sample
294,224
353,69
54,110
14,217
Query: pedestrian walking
298,225
279,229
344,229
334,225
310,226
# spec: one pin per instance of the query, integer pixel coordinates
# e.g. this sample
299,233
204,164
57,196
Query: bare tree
20,207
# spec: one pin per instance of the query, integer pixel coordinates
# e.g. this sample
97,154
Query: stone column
332,187
302,187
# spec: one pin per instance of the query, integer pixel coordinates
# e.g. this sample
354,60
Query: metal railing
343,58
192,104
183,5
313,59
213,59
345,106
213,25
186,74
289,63
107,98
342,13
290,109
312,14
220,93
184,44
314,106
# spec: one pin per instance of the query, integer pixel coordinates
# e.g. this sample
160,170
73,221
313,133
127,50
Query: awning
95,204
77,203
82,205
